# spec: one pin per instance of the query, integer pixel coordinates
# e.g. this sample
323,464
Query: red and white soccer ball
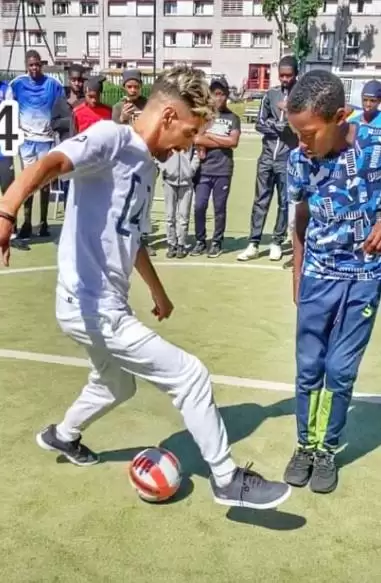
155,473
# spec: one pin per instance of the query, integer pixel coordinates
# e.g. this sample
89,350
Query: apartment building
219,36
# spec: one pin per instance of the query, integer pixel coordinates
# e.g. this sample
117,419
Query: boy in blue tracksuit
334,177
36,95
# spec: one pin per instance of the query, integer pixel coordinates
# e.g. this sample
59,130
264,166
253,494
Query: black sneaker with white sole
299,468
250,490
198,249
215,250
74,451
324,477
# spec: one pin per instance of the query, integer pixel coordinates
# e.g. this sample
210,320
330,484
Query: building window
329,7
230,40
232,7
257,8
9,9
8,38
144,8
117,9
36,38
170,8
170,39
203,8
114,44
36,9
147,44
61,8
352,46
326,44
202,39
60,44
89,8
92,44
261,40
357,6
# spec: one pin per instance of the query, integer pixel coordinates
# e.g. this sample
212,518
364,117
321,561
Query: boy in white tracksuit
178,172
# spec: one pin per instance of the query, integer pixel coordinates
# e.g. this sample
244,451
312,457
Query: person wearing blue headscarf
371,100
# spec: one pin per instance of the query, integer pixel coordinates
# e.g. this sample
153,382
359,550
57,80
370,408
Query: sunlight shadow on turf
363,431
115,455
182,493
271,519
241,421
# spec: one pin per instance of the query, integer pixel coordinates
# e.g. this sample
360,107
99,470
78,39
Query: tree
294,13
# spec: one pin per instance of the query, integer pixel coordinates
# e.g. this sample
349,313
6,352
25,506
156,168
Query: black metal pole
44,37
24,29
154,38
14,37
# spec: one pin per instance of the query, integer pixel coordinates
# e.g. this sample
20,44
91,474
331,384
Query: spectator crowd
50,112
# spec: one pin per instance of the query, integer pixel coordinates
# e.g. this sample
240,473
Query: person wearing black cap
91,110
127,109
216,170
371,100
277,141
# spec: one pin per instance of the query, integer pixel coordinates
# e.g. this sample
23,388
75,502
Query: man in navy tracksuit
334,178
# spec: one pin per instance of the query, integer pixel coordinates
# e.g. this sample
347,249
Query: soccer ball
155,474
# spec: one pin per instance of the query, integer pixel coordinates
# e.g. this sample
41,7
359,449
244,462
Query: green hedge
114,93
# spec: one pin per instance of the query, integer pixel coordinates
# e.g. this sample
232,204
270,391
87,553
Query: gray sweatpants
178,201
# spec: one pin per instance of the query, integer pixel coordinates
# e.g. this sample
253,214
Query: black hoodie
278,138
62,116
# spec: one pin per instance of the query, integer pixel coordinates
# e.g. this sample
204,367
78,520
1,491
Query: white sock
64,435
223,473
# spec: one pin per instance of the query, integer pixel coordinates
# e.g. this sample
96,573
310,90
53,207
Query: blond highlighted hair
189,85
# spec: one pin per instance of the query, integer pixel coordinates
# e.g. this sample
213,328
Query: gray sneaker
250,490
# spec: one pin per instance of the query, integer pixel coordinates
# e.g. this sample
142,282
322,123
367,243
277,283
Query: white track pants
120,348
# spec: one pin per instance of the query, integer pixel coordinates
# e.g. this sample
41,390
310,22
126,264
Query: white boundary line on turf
217,379
212,264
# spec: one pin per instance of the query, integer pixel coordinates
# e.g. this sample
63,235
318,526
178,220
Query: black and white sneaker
324,477
198,249
215,250
74,451
171,252
299,468
250,490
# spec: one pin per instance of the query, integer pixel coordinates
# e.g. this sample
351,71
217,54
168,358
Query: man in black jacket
62,114
277,141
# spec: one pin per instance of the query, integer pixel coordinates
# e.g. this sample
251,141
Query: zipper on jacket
278,139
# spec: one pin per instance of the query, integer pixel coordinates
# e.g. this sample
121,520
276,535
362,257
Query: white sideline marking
217,379
6,271
237,265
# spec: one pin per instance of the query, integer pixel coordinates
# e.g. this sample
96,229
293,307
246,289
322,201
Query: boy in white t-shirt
112,175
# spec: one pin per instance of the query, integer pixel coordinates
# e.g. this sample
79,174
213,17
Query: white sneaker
251,252
275,252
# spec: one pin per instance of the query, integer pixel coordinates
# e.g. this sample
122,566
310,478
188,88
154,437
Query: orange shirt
85,116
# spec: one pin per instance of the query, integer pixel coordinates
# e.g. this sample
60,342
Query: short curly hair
320,91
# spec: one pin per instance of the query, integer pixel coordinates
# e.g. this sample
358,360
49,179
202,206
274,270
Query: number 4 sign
11,136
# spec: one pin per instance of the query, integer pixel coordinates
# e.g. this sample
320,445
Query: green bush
113,93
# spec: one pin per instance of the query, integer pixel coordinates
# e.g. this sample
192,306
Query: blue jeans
334,324
220,187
